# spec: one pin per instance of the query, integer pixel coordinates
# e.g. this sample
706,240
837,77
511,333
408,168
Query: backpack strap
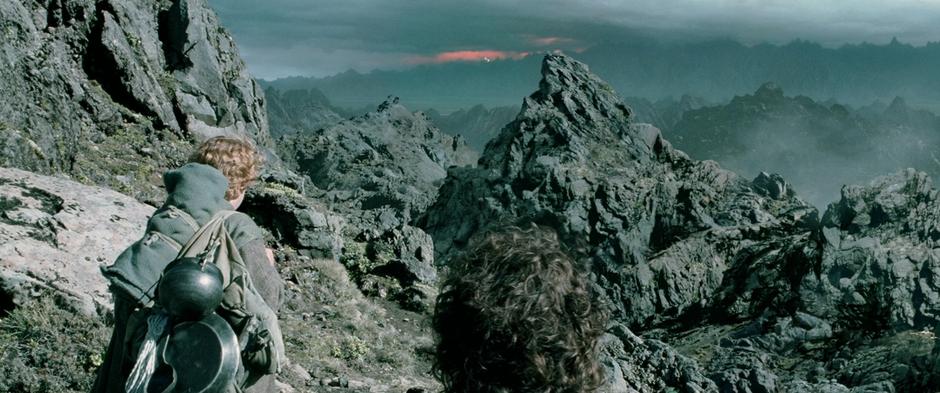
207,237
203,237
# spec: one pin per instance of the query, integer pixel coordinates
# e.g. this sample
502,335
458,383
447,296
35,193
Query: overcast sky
323,37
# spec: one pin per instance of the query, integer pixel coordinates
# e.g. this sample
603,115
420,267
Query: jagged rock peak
573,114
898,107
769,89
579,90
387,104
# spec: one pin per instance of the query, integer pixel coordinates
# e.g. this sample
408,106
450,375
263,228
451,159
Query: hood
197,189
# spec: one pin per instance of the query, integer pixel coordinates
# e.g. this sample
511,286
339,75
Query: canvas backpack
250,317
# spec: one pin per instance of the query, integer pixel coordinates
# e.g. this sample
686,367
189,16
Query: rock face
380,170
54,235
111,91
662,230
880,268
635,365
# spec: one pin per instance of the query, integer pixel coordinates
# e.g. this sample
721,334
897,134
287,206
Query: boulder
54,236
294,221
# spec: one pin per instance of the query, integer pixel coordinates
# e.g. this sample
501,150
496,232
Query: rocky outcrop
880,268
660,229
294,221
112,91
866,305
54,236
380,170
636,365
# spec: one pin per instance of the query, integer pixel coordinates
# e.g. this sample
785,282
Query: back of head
516,314
236,158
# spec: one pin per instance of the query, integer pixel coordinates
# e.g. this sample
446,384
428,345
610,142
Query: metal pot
189,289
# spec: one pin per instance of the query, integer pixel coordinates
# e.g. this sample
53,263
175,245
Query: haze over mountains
817,146
714,70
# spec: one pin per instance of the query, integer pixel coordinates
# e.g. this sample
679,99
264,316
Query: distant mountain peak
769,89
898,103
573,114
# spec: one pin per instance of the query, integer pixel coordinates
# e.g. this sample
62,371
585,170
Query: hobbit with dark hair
516,314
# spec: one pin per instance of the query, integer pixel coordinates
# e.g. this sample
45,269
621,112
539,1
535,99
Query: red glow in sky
468,55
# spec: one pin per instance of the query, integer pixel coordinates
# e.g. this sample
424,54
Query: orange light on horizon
467,55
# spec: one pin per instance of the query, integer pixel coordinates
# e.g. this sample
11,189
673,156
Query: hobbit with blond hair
212,184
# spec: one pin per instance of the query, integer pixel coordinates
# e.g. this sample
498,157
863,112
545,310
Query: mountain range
714,70
817,146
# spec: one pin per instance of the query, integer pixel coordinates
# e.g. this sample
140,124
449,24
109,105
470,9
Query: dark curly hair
516,314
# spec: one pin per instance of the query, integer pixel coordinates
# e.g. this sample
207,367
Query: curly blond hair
517,314
237,158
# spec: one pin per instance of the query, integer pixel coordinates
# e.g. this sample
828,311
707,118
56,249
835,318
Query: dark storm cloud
297,37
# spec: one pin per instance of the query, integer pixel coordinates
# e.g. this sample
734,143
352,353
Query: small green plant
356,259
167,82
352,348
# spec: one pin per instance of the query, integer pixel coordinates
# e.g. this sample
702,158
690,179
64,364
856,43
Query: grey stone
883,272
634,364
55,234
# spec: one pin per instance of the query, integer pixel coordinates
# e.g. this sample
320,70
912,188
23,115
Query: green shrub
46,348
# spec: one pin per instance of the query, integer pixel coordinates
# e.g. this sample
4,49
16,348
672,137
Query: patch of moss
168,83
280,189
131,160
